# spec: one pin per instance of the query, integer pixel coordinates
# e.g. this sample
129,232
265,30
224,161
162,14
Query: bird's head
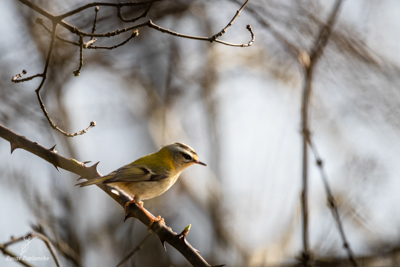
183,155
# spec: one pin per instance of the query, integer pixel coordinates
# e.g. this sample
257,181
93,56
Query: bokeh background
239,108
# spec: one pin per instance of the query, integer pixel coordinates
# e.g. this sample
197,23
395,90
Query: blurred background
239,108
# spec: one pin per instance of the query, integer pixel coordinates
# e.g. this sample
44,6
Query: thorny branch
59,20
164,232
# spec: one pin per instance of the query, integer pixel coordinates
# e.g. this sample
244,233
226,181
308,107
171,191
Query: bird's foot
153,220
148,214
126,208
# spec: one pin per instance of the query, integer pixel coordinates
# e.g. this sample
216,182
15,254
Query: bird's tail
98,180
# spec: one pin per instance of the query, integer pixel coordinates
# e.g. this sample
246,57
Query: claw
150,216
156,219
126,208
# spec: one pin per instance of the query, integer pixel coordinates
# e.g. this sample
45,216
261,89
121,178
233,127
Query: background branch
308,62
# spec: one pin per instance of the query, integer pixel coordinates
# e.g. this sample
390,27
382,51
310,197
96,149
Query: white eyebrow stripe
186,148
190,153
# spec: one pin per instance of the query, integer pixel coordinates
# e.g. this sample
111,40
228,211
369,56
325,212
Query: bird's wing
135,173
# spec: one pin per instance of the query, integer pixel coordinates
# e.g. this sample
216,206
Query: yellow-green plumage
151,175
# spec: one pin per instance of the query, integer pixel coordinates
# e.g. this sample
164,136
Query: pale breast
146,190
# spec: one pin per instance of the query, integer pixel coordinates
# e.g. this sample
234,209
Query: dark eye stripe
187,157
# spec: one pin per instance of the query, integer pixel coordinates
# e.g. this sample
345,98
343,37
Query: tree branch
332,202
308,61
223,31
49,245
59,20
164,232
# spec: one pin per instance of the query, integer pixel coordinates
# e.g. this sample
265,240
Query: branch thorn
163,244
14,146
94,166
52,149
55,166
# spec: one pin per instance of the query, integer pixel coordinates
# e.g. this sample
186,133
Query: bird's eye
187,157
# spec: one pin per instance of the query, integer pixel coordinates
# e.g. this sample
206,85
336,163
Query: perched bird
151,175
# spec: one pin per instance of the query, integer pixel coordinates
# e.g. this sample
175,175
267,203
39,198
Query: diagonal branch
324,34
50,247
11,254
136,249
332,203
164,232
223,31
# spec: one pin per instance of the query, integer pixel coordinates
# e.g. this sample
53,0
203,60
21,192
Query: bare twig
40,22
290,47
96,10
58,20
16,79
199,38
304,192
137,248
149,23
81,44
223,31
89,45
117,5
44,76
134,34
324,34
332,202
5,251
143,15
63,247
50,246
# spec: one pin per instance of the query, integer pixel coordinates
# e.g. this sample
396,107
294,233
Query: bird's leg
149,215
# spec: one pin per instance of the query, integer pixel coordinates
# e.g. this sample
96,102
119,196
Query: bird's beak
199,162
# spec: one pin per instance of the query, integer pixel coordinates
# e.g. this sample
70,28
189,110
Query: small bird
151,175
